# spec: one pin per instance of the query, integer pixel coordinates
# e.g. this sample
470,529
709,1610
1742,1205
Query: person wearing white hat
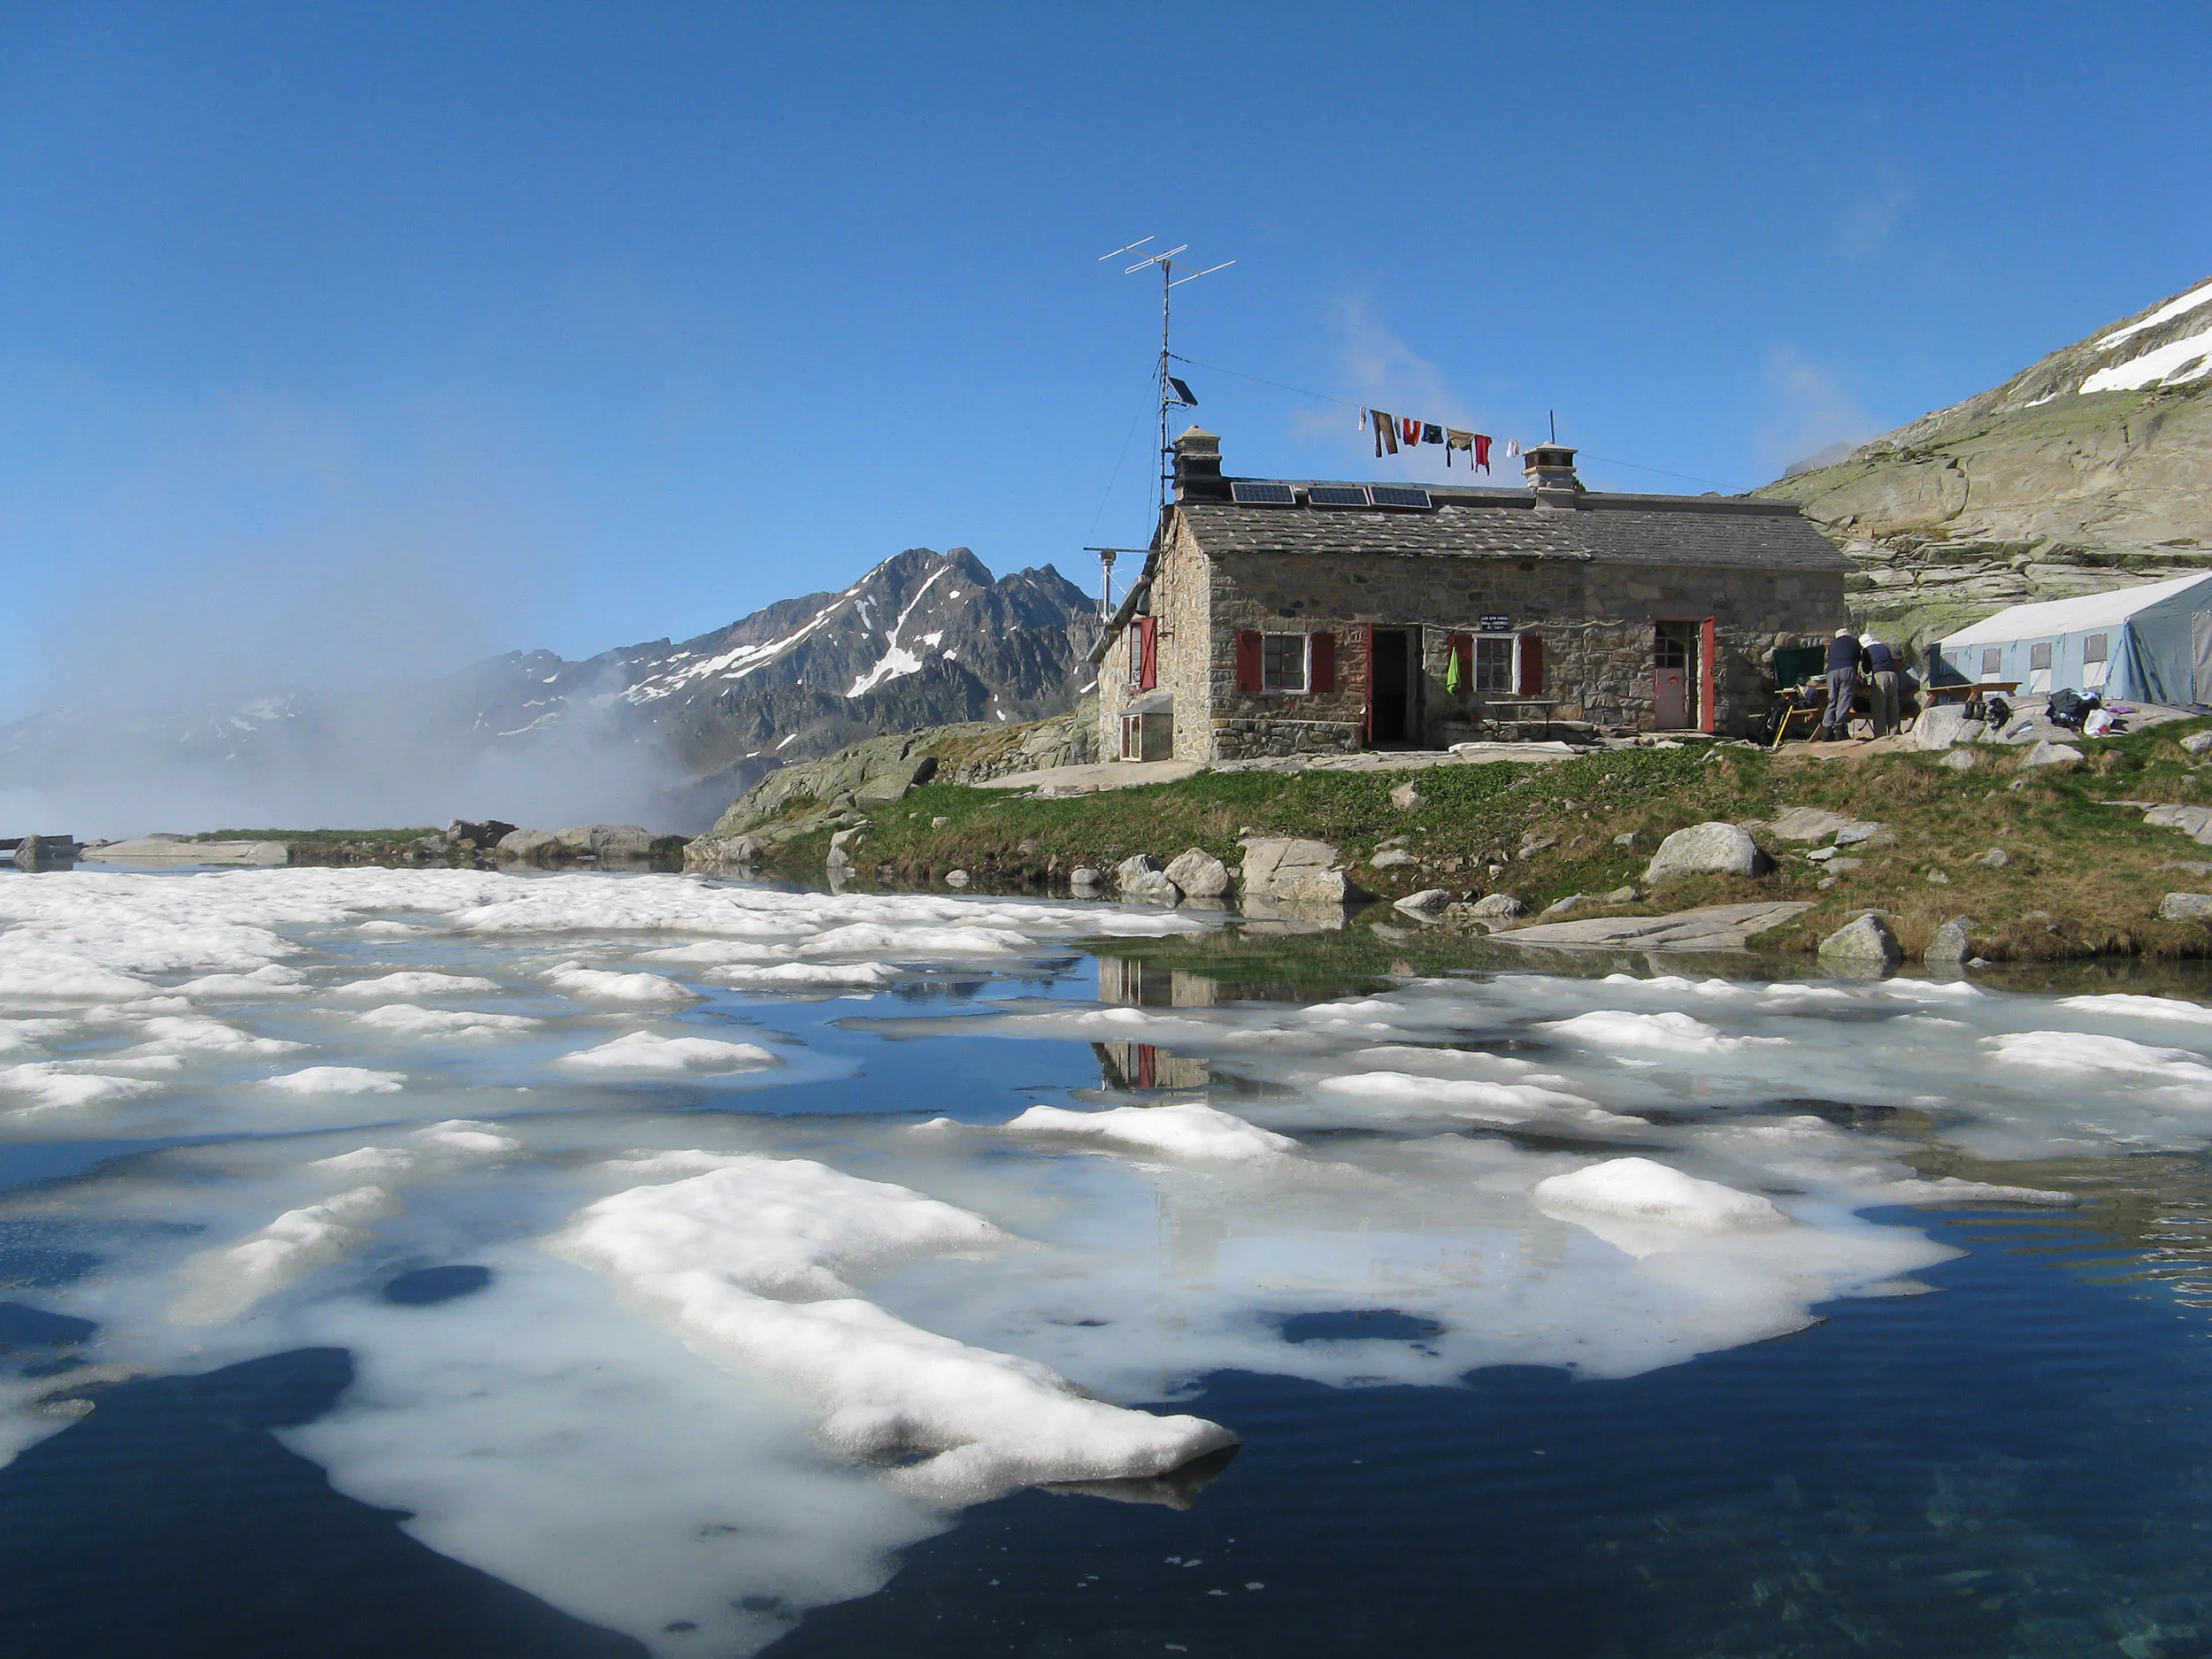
1843,685
1885,684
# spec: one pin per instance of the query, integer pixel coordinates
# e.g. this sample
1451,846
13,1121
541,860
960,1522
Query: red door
1706,653
1367,713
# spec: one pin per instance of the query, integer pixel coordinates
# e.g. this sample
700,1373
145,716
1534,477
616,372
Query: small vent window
1397,496
1494,664
1337,495
1993,659
1263,495
2093,649
2039,656
1283,661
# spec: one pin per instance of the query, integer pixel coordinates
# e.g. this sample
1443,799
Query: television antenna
1173,393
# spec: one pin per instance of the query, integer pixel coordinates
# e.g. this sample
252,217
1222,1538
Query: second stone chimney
1198,467
1549,469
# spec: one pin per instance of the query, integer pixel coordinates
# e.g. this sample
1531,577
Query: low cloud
1815,421
1381,370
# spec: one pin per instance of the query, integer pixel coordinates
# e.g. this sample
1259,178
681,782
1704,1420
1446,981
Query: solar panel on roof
1263,495
1398,495
1337,495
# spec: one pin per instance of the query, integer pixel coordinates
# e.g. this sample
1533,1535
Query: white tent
2153,643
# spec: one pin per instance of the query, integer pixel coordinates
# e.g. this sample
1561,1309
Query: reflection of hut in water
1126,1065
1135,983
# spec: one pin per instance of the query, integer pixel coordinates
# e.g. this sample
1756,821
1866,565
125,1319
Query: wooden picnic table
1966,693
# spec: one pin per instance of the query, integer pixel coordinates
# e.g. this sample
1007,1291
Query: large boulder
1706,849
1865,944
1944,724
1428,902
1953,944
2197,742
1142,881
487,834
2046,753
527,846
1497,907
708,854
1295,871
894,778
2185,907
1199,874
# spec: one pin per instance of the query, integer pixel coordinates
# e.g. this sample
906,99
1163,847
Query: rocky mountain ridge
2089,469
664,732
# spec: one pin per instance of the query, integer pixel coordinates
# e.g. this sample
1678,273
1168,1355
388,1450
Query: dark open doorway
1394,665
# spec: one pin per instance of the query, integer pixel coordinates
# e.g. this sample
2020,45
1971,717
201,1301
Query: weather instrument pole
1173,393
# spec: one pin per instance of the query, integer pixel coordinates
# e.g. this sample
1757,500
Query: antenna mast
1173,395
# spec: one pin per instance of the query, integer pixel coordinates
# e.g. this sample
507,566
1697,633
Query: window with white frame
1494,664
1284,660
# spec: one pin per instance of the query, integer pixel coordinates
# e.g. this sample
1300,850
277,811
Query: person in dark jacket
1843,685
1885,684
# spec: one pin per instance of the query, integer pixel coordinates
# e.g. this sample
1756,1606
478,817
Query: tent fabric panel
2088,613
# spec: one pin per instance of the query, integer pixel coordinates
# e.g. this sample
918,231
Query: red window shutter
1528,678
1461,649
1248,661
1323,647
1707,652
1147,653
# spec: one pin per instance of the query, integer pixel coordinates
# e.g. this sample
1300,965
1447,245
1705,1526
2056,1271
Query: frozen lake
446,1262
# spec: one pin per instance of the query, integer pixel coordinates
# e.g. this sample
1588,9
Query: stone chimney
1550,469
1198,467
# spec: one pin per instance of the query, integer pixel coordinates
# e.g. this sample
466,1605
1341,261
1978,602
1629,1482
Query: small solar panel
1398,495
1337,495
1263,495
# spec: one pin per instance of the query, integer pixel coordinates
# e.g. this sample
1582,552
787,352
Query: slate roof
1694,530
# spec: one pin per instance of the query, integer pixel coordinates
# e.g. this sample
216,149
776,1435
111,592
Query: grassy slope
2082,878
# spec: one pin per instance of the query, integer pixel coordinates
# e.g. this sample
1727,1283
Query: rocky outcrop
2089,469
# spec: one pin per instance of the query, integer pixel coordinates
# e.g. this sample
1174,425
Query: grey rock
1706,849
2046,753
1820,855
1295,871
1865,833
1391,858
2195,822
1938,878
1199,874
603,841
1844,866
2185,907
1501,906
1944,725
528,846
1995,858
1626,838
1623,895
1428,902
939,823
711,852
1815,822
1953,943
2197,742
1962,760
1083,876
1405,797
1530,848
1708,927
1865,942
958,878
1141,880
1559,907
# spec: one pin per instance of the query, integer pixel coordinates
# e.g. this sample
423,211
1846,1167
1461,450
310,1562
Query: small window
2039,656
1493,662
1993,659
1283,661
2093,649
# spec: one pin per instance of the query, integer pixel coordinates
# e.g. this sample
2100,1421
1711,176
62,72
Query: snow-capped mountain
2090,469
663,732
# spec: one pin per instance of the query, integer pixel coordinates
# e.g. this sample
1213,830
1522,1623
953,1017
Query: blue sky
342,340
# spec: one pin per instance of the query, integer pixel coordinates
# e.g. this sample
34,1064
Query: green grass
2082,878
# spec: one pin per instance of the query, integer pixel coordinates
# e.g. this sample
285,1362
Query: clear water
1923,1407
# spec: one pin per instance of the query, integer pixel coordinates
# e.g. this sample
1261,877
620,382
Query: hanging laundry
1454,439
1385,430
1482,451
1409,429
1431,433
1451,650
1512,448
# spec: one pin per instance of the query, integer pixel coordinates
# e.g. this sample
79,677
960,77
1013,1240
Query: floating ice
338,1080
220,1285
572,979
644,1053
51,1085
2126,1007
2078,1051
1662,1033
715,1253
1640,1190
1184,1130
416,983
411,1020
809,976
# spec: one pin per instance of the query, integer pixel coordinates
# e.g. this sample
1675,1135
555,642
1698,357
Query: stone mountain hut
1278,617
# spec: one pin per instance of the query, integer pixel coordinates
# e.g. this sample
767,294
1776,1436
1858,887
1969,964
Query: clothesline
1327,397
